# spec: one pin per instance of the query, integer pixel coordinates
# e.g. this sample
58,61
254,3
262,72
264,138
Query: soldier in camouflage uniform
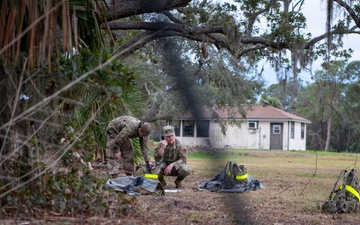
171,158
119,150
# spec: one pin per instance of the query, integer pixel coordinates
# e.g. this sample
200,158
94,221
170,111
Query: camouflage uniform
119,133
175,154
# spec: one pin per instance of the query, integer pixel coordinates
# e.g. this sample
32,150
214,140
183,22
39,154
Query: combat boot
178,183
114,175
162,181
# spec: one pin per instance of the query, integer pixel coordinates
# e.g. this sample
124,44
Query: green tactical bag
344,198
234,174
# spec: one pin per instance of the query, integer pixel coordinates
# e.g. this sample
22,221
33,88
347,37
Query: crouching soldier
171,158
119,150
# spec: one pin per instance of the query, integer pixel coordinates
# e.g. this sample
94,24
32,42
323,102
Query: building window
202,128
276,129
176,125
302,130
188,128
292,135
253,125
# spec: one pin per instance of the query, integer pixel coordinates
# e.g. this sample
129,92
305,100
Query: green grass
303,164
297,182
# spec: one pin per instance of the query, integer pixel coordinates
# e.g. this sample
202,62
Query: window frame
274,128
177,126
203,129
254,126
188,130
292,129
302,135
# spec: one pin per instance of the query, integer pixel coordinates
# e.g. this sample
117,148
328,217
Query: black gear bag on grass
233,179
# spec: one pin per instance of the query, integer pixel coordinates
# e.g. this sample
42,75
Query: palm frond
42,29
138,158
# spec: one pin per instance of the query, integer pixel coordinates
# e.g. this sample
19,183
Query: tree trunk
329,124
328,134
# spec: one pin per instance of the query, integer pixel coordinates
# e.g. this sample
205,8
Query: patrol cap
168,130
145,128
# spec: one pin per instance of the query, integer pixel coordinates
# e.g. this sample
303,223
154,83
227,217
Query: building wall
244,138
286,135
264,135
297,143
234,137
191,141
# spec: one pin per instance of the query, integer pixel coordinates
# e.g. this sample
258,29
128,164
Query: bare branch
351,12
127,8
325,35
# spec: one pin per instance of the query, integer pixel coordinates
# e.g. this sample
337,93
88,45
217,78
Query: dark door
276,136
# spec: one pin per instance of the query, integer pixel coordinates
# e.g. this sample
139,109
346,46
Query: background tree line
330,97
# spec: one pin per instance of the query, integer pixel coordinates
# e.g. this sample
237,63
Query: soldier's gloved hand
168,169
149,165
117,155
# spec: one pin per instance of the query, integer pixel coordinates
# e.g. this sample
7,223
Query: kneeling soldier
171,158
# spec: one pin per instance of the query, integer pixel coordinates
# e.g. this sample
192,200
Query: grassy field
297,184
310,174
301,178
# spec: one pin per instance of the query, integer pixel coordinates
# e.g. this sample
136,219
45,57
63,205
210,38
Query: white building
264,127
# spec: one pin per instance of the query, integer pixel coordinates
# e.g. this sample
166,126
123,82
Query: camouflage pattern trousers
125,162
182,172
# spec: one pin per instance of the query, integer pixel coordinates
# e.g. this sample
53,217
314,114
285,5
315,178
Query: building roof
256,113
270,112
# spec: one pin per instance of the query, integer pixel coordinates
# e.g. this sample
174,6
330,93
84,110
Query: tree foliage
332,95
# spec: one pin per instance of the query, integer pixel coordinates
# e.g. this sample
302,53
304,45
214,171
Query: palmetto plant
110,92
51,57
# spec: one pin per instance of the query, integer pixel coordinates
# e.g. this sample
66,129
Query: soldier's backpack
233,174
344,198
233,179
